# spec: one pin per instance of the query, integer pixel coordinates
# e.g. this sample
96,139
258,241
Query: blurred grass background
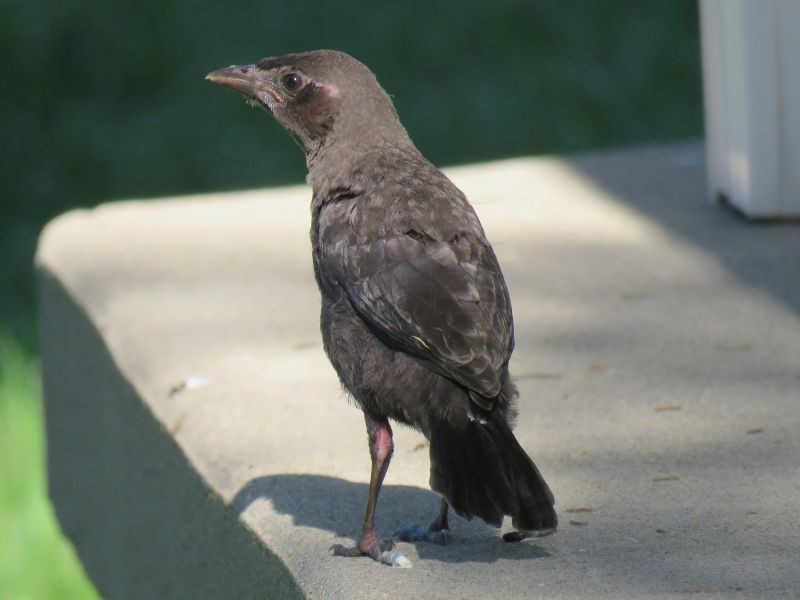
106,100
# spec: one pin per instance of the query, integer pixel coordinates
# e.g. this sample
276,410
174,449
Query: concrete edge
143,521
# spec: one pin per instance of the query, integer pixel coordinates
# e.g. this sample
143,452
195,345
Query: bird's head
319,97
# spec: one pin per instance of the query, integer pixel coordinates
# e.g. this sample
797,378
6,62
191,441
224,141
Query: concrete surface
199,445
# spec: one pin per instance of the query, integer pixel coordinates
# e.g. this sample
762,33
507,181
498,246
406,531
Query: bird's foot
377,549
418,533
518,536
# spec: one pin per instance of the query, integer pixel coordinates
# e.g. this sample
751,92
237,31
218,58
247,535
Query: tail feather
498,484
482,470
453,476
445,475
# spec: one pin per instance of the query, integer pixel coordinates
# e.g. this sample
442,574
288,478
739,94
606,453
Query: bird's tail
483,472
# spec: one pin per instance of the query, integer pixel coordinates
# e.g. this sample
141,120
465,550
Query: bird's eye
292,81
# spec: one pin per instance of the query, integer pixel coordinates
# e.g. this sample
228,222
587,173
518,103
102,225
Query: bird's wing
443,302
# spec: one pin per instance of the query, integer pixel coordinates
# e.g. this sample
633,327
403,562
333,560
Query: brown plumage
416,317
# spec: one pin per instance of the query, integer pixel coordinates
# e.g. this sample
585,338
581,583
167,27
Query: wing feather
443,302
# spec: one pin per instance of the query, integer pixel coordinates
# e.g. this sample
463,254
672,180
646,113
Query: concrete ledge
145,524
199,445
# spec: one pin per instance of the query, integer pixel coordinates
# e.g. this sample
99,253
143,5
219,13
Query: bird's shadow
336,505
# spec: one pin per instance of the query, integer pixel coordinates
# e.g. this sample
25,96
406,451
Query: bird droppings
666,478
755,431
578,509
395,560
667,408
579,523
192,382
732,347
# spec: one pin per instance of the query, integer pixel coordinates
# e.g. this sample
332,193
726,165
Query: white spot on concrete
190,382
395,560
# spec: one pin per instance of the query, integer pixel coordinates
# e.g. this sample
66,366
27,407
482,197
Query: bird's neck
331,162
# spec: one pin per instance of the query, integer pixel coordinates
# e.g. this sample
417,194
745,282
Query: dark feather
416,317
439,295
482,471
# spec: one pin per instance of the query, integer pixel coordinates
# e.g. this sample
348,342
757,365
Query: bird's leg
381,447
441,524
437,532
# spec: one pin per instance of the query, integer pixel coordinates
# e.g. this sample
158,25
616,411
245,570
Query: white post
751,77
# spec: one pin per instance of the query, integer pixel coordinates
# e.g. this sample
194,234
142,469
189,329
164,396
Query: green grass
36,563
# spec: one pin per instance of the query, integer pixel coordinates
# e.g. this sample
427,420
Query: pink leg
369,544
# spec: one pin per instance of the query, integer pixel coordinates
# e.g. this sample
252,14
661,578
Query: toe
377,549
387,544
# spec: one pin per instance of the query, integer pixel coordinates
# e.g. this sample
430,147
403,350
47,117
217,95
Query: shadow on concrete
671,191
143,521
336,505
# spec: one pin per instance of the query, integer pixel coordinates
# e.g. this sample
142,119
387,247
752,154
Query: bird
415,313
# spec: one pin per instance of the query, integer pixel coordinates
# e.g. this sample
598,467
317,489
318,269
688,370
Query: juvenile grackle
416,317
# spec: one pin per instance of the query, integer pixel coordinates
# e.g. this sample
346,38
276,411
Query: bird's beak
243,79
